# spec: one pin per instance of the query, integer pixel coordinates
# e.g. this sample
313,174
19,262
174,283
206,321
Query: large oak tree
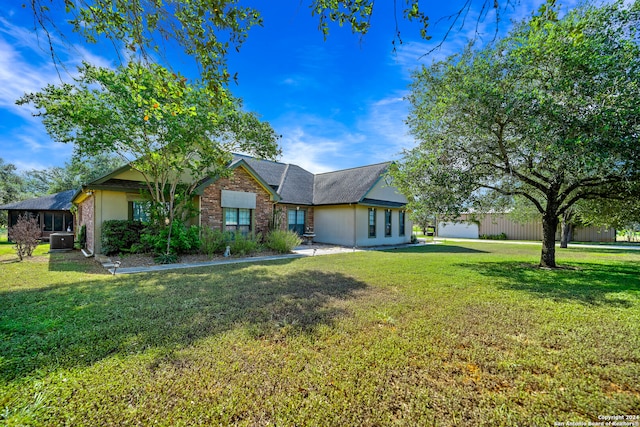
550,114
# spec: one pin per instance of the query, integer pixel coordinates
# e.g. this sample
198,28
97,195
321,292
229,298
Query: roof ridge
355,167
258,159
284,176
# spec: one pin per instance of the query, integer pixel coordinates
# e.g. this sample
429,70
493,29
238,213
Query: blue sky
337,103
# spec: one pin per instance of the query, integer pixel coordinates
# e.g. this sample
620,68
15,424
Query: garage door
458,229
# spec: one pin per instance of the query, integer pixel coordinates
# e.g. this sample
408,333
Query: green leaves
550,114
204,29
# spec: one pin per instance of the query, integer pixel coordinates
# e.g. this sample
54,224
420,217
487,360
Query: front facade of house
354,207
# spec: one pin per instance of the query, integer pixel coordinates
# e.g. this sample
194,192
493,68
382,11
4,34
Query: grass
447,334
8,253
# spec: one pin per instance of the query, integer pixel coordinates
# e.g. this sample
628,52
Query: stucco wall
348,226
108,205
383,191
211,208
334,224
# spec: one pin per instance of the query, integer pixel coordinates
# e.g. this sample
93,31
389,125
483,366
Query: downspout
355,227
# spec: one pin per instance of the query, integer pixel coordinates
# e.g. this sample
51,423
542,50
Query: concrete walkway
298,252
316,250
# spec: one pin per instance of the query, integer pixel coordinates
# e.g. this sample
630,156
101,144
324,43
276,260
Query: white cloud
321,144
384,125
313,153
26,66
18,77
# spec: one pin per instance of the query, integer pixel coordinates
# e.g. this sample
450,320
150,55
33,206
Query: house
353,207
53,212
493,224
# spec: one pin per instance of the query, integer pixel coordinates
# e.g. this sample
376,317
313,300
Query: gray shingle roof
292,183
346,186
52,202
295,185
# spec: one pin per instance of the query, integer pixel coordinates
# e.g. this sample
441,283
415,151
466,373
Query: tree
10,183
11,187
622,214
172,132
76,172
550,114
25,234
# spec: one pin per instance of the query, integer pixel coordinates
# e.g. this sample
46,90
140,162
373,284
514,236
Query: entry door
296,220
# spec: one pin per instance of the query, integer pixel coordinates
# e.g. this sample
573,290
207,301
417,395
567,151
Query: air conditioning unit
61,241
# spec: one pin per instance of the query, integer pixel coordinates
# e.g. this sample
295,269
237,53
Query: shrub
501,236
82,237
183,239
244,245
119,235
282,241
25,234
214,241
166,259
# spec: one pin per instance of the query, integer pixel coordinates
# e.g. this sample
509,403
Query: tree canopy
74,173
550,113
157,122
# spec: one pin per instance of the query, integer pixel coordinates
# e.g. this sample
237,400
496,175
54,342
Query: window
238,220
372,222
140,211
387,223
57,221
48,221
402,222
296,220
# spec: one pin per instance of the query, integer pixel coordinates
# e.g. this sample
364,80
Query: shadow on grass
575,248
439,248
593,284
74,261
78,324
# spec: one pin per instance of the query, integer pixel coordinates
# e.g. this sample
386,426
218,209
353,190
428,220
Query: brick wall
309,223
211,214
85,217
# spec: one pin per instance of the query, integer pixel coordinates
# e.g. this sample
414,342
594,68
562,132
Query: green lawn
8,253
447,334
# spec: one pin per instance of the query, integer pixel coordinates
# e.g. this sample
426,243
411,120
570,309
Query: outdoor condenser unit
61,241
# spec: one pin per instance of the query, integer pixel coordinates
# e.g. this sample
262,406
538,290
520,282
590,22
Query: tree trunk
566,232
549,227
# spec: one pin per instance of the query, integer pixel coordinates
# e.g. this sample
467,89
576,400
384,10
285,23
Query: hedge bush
184,239
501,236
120,235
